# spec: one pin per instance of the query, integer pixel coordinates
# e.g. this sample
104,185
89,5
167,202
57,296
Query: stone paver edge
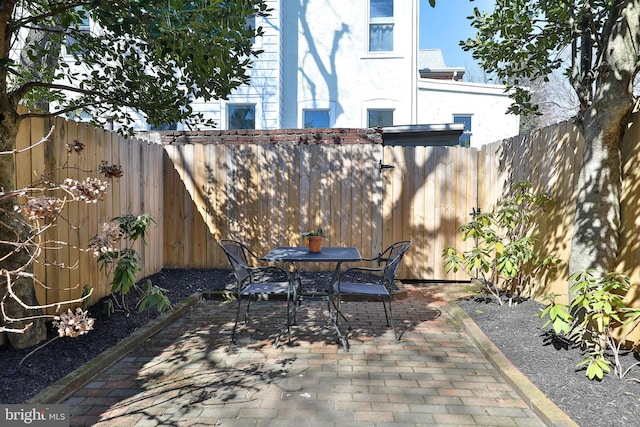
548,411
63,388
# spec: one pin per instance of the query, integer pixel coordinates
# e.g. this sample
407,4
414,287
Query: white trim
391,20
378,104
461,86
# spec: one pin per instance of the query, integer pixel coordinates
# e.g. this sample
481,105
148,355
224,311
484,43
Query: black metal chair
377,282
255,278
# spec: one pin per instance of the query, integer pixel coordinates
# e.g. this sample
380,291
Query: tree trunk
13,228
597,222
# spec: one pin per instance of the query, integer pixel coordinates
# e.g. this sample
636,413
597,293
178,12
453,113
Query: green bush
503,258
593,317
122,264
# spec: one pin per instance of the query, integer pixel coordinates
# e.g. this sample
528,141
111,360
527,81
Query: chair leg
334,318
246,313
386,315
235,325
393,324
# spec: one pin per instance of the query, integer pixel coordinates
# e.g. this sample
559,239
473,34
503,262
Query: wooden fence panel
266,195
427,197
629,260
66,265
550,159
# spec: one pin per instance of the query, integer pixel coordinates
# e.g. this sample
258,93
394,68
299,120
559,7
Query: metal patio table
330,254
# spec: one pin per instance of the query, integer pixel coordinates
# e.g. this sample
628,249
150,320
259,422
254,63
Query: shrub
503,258
594,316
122,264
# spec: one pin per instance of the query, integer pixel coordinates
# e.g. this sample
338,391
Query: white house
444,98
329,63
355,64
335,63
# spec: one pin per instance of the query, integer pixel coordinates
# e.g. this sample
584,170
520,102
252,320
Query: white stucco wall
335,70
440,100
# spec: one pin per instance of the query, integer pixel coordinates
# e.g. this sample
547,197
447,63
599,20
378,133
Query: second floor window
81,29
380,25
241,116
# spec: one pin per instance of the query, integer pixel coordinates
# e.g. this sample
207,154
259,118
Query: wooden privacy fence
67,268
266,187
360,192
551,159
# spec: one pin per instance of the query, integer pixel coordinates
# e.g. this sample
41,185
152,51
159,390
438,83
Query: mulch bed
551,365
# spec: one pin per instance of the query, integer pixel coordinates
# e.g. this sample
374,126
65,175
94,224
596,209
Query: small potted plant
314,238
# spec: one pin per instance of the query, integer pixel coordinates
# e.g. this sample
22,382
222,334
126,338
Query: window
316,118
167,126
250,25
465,138
241,117
380,25
380,118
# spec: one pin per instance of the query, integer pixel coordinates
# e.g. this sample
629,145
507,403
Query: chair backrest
394,254
237,254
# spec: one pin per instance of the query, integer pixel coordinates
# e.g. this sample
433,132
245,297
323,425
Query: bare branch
42,141
12,294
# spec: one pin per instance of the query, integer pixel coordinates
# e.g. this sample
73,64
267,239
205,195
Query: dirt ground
551,365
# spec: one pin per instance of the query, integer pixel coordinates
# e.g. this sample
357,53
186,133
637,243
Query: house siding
439,101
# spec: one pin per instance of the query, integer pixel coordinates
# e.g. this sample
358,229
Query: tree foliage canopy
525,40
97,56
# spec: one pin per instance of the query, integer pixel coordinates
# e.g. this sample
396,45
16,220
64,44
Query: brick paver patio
190,375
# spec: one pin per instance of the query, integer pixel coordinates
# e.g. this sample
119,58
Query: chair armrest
364,269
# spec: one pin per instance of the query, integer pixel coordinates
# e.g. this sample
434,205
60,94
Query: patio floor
190,375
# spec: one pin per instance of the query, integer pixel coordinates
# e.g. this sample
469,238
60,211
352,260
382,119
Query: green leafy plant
318,232
86,292
155,298
595,315
123,264
503,258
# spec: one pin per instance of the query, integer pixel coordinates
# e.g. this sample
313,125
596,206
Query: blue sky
445,25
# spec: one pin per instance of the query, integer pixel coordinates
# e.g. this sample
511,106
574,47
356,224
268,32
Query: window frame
467,133
380,21
379,110
316,110
85,27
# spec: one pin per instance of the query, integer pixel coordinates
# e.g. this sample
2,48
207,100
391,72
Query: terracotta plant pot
315,243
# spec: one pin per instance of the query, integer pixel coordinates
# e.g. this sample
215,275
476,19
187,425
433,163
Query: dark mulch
19,382
551,365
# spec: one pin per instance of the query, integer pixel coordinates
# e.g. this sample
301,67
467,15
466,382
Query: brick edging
539,403
76,379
